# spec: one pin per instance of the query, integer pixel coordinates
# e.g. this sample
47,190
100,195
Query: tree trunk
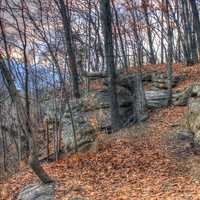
162,38
108,45
64,10
196,21
169,52
191,35
152,59
120,37
187,33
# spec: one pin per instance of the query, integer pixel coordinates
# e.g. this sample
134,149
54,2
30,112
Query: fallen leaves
122,169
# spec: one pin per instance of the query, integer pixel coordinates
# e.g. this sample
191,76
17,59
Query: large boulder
37,192
157,98
193,118
84,129
181,98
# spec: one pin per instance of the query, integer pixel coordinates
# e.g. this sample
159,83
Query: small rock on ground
37,192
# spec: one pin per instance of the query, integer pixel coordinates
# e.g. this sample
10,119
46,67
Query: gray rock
185,135
194,105
156,98
193,118
181,98
37,192
84,133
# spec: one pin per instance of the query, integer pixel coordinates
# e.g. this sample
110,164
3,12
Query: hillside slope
145,161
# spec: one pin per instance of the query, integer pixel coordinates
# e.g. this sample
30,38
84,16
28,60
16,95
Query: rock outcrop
157,98
193,118
92,112
182,98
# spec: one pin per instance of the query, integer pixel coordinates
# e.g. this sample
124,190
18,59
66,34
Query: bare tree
145,4
169,51
23,118
108,40
64,10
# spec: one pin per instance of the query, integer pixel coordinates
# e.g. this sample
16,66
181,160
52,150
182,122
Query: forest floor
143,162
